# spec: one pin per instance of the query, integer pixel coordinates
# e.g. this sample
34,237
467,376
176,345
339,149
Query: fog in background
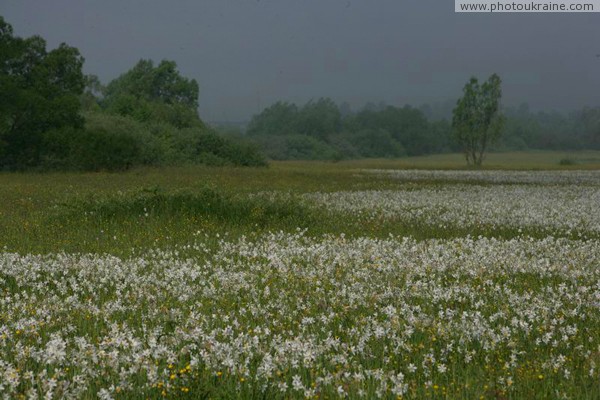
247,54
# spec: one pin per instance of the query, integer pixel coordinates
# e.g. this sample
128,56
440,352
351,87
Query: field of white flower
591,177
571,204
294,315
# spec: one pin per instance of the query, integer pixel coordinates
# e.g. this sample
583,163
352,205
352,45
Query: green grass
519,160
104,212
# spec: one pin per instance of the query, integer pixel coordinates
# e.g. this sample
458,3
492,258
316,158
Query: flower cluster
566,208
578,177
288,315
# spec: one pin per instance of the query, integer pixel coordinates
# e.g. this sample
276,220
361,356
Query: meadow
409,278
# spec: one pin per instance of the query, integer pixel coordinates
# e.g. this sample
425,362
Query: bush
203,146
105,142
153,140
143,110
302,147
343,146
101,149
274,147
567,161
377,143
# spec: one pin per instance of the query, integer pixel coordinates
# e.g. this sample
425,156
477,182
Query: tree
319,119
279,119
149,93
39,92
406,125
477,121
92,94
377,143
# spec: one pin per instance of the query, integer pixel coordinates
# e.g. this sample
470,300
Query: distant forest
53,117
324,130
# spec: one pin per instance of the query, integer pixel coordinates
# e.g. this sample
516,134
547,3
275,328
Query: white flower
55,350
297,383
104,394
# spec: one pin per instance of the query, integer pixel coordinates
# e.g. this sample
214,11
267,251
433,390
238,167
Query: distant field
411,278
536,160
38,211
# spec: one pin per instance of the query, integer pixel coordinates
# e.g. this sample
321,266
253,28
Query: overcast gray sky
246,54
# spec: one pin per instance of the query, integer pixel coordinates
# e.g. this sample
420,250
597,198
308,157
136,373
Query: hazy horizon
247,55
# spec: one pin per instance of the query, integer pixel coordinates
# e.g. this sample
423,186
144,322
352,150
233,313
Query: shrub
567,161
377,143
107,142
204,146
102,149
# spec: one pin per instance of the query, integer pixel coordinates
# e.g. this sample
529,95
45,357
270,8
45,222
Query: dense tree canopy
149,93
279,119
39,92
160,83
319,119
320,130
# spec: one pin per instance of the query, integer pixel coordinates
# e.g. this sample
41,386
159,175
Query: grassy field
47,212
410,278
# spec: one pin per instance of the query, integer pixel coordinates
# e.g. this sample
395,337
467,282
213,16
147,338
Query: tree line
322,129
52,116
319,130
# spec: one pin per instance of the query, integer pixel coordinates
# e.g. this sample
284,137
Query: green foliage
377,143
39,91
109,143
417,131
144,110
101,149
295,147
148,93
344,147
407,126
203,146
318,131
278,119
114,143
206,201
567,161
319,119
477,121
524,129
161,83
90,99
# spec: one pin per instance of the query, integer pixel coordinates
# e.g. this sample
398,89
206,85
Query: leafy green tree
39,92
477,121
319,119
279,119
149,93
160,83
